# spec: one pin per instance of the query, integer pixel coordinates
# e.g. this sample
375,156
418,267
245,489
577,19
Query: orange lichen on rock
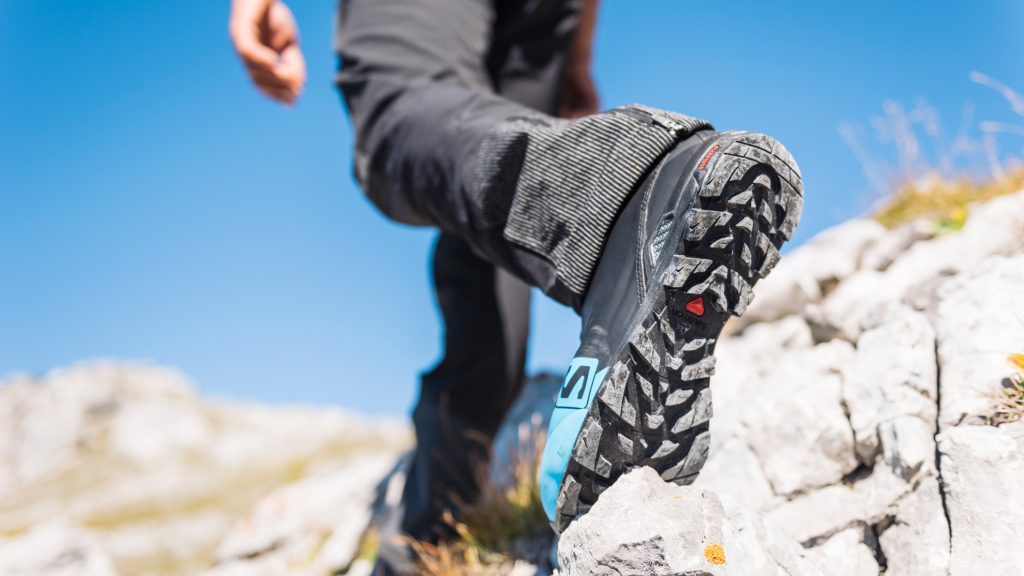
715,553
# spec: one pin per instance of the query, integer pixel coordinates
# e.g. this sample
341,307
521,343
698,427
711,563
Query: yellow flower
1018,361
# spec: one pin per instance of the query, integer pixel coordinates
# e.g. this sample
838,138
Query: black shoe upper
633,257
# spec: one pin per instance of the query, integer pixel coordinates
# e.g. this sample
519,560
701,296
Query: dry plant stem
1009,402
496,529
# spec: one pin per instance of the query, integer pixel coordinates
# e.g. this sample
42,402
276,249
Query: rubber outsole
654,407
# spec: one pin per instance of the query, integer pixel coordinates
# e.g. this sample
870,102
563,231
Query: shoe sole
654,407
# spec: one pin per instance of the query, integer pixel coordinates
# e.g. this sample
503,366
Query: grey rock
916,540
54,549
644,526
796,425
978,322
881,254
734,473
312,526
890,390
983,478
846,554
844,312
992,228
821,513
133,442
807,274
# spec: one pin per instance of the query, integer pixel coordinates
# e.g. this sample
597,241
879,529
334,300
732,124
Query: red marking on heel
707,157
696,306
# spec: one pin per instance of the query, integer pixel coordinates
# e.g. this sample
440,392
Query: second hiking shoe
703,227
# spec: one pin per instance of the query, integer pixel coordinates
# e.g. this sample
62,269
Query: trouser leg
465,397
437,146
484,310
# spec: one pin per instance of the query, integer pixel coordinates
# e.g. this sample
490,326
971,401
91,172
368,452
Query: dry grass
506,524
918,169
944,201
1009,402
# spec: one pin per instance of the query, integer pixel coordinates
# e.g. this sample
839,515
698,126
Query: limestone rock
642,525
54,549
808,274
978,323
916,540
881,254
796,425
818,514
734,473
846,554
312,526
992,228
890,391
130,448
983,477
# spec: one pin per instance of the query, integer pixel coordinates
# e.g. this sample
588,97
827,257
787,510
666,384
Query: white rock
53,549
312,526
44,424
983,475
908,446
978,323
917,541
992,228
802,274
823,512
890,247
131,449
734,473
846,554
642,525
844,312
166,428
893,378
795,421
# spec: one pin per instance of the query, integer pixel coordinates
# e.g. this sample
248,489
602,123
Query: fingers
244,28
267,40
291,68
272,85
281,33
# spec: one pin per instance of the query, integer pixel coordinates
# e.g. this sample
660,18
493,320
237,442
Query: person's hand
579,94
267,40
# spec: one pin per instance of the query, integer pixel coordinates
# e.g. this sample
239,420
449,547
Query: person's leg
436,146
648,223
465,397
484,309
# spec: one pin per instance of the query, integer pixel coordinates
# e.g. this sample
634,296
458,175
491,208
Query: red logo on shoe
696,306
707,157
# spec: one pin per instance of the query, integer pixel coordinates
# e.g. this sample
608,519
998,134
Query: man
648,223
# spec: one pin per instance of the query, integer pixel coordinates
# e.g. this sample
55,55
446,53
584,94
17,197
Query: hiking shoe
706,223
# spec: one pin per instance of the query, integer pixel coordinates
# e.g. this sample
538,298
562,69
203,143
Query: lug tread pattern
654,407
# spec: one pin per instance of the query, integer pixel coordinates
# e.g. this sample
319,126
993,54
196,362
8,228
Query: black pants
451,101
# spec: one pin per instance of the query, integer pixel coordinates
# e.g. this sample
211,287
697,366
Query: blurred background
153,205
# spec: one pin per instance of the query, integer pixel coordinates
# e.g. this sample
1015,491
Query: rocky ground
853,435
122,468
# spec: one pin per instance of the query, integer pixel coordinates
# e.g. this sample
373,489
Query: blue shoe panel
581,383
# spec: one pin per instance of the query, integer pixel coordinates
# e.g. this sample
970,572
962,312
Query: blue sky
153,205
